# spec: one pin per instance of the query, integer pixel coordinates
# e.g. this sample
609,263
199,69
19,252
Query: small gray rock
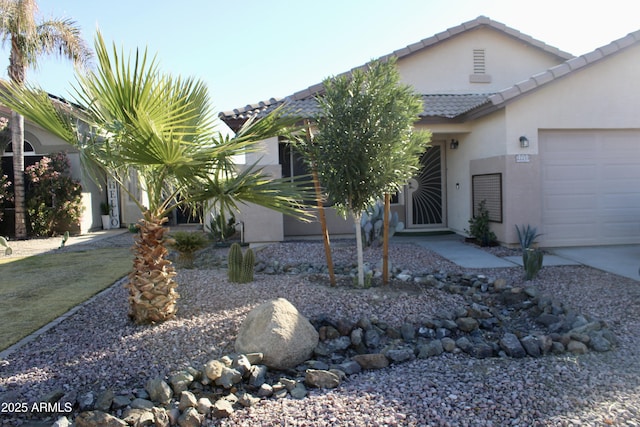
432,348
511,346
187,400
229,377
400,355
159,391
180,381
321,379
139,403
191,418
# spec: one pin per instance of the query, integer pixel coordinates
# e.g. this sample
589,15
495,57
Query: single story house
545,138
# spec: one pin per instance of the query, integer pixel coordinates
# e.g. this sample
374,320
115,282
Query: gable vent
478,61
479,68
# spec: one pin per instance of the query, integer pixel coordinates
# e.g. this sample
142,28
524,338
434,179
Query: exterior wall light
454,144
524,142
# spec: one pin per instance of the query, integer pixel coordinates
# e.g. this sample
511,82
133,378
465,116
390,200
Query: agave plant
133,118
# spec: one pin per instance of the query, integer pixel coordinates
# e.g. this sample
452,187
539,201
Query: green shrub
187,244
53,198
479,227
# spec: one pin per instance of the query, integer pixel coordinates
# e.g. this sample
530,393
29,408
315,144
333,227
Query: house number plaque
522,158
112,197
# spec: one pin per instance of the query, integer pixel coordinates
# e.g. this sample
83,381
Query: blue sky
252,50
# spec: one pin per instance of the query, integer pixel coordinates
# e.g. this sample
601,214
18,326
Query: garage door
590,187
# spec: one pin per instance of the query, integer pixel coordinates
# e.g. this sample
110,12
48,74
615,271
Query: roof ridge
570,66
412,48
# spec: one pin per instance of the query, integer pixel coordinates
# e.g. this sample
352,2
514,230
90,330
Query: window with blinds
488,187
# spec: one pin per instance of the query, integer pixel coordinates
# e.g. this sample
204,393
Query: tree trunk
152,295
17,141
385,239
323,223
357,217
321,215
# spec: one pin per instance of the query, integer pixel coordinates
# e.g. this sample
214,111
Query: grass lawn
35,290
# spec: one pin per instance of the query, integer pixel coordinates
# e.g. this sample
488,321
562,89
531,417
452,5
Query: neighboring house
547,139
37,144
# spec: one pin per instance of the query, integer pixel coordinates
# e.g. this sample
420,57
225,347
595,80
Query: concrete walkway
623,260
450,247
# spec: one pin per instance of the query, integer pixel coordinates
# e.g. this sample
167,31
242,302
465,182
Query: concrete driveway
623,260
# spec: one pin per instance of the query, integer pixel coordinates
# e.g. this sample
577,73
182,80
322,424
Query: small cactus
248,262
234,261
532,259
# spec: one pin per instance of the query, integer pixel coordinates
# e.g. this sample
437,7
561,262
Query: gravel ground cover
98,348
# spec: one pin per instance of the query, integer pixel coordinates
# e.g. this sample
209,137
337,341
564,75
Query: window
27,149
488,187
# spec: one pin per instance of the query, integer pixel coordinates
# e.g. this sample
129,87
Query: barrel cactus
234,261
248,263
532,259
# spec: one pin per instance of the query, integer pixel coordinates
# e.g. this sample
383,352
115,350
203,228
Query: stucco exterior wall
445,68
601,96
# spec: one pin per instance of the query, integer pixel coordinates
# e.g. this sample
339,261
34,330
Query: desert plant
248,263
162,128
372,225
479,227
220,229
527,236
187,244
532,259
234,262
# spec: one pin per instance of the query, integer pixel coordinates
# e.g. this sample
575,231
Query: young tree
366,145
132,117
29,40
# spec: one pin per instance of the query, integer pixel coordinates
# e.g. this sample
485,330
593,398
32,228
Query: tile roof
300,100
438,105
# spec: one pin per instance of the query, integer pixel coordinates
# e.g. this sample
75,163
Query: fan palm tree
134,118
29,40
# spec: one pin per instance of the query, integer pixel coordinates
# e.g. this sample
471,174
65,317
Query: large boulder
278,331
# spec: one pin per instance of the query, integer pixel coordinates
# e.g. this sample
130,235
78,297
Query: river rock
371,360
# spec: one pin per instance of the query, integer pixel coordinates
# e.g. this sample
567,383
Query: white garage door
590,187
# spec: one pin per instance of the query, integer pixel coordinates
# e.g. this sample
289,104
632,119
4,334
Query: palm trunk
357,217
152,295
17,138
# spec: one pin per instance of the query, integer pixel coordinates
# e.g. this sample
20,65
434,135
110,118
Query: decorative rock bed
498,320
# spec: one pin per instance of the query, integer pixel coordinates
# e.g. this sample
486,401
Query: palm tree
29,40
135,118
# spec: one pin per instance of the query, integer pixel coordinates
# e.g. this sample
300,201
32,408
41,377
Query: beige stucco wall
445,68
601,96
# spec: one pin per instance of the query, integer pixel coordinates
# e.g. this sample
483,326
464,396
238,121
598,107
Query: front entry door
425,192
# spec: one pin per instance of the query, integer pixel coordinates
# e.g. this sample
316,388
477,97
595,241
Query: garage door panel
590,187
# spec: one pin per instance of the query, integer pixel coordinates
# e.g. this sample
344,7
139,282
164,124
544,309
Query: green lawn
37,289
